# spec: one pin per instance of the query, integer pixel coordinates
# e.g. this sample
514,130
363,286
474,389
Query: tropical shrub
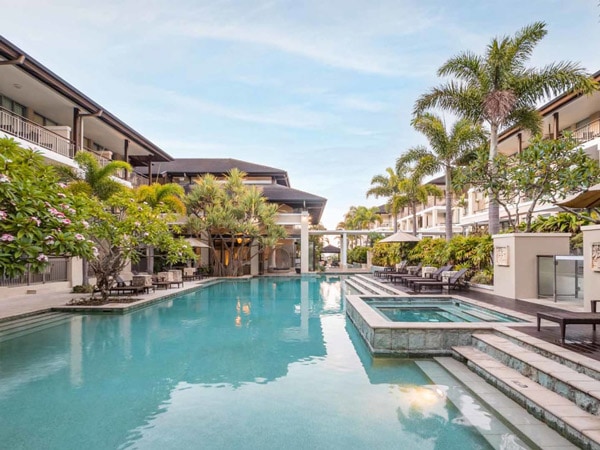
358,255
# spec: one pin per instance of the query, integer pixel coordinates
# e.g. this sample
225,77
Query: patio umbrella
400,236
330,249
586,199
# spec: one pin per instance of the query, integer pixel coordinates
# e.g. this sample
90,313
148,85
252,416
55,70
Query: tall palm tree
448,150
170,195
499,89
388,186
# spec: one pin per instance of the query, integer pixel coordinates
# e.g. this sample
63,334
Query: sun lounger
455,281
397,277
435,276
564,318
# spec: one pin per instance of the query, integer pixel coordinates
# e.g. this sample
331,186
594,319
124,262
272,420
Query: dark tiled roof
278,193
216,166
296,199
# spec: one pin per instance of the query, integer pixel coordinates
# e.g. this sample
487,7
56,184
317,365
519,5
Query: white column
304,242
343,256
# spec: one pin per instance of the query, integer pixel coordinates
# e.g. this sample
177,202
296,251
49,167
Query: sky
323,89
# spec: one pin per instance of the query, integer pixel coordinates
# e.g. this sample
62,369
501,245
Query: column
304,242
343,255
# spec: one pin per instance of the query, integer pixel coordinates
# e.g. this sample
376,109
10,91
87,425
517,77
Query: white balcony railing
20,127
587,132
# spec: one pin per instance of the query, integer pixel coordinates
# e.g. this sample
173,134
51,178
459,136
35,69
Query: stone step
568,358
576,387
387,289
371,288
578,426
20,327
359,287
535,433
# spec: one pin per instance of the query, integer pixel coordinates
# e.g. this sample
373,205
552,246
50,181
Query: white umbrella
400,236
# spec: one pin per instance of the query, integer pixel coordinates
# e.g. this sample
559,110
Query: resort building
297,209
41,111
575,113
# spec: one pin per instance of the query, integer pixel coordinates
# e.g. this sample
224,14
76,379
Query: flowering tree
38,217
119,227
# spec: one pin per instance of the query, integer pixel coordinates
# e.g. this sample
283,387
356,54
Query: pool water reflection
265,363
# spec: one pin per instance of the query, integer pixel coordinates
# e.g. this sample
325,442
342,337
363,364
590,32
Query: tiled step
386,289
15,328
366,287
568,358
535,433
577,425
576,387
363,290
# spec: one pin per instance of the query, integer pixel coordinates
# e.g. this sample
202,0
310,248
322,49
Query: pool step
365,288
534,431
375,286
576,361
576,387
563,400
30,324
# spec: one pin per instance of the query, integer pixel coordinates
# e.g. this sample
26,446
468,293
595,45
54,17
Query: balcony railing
20,127
587,132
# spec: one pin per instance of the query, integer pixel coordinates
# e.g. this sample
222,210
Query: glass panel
545,276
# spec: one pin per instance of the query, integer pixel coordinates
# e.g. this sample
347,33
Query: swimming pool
268,363
435,310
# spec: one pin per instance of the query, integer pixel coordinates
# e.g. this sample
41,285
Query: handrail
23,128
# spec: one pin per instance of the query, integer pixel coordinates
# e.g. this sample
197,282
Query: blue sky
323,89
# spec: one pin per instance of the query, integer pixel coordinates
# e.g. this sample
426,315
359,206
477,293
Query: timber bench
566,318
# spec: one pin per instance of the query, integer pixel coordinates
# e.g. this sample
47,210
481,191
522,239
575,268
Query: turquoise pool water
439,310
263,364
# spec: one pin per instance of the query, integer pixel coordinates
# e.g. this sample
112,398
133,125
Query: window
11,105
42,120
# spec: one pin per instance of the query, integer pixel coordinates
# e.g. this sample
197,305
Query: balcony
587,132
15,125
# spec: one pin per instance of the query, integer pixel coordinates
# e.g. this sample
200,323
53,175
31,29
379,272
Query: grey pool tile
382,339
399,340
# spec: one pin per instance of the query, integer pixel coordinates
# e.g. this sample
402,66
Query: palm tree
499,89
447,152
170,195
92,178
387,186
414,193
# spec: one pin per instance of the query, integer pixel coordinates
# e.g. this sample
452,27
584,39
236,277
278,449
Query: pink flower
3,215
7,237
4,178
66,221
36,220
62,185
85,224
61,195
79,237
49,240
42,258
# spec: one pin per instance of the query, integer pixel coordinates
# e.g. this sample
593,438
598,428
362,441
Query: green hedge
470,252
